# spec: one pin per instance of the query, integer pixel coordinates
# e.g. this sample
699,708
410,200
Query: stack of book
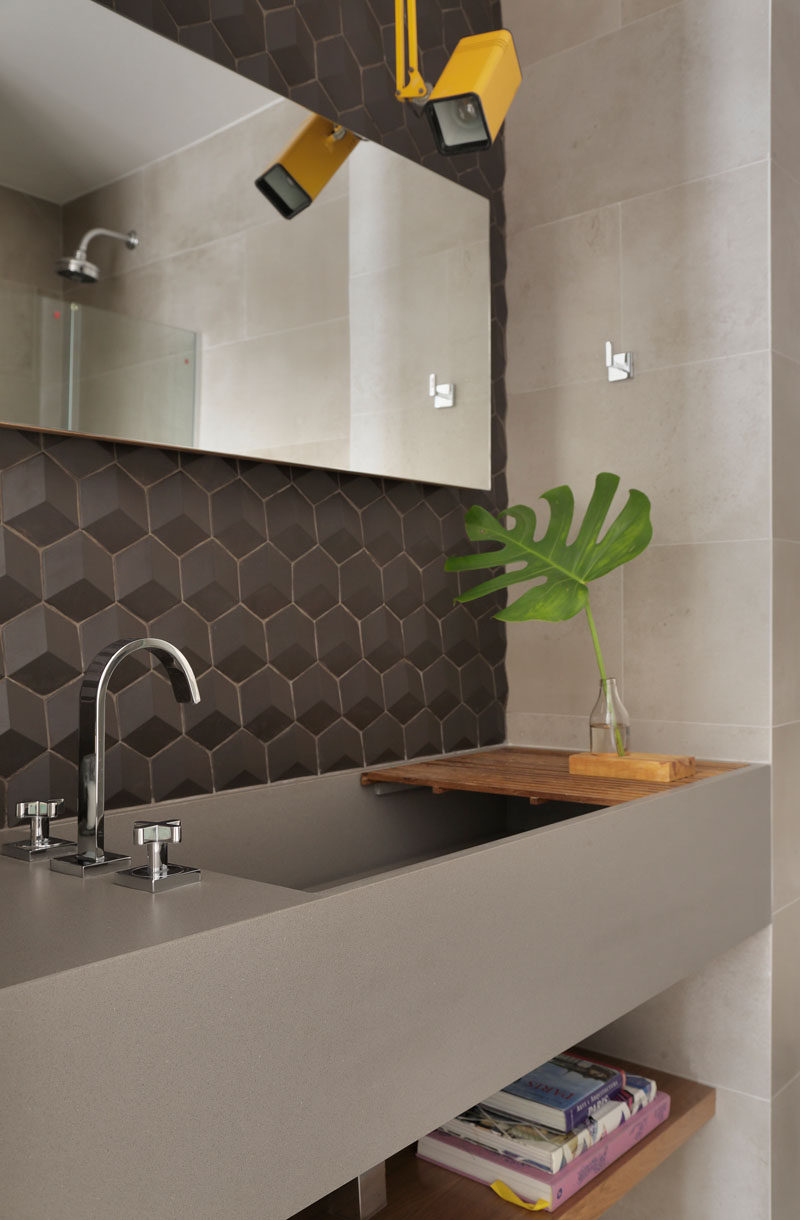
546,1135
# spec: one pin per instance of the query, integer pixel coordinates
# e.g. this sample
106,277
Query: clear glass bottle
609,723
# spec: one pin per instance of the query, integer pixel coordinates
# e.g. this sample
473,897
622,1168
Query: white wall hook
444,394
620,366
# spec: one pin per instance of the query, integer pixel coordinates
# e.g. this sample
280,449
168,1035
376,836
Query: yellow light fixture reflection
306,165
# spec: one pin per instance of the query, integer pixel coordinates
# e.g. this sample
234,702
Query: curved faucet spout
92,730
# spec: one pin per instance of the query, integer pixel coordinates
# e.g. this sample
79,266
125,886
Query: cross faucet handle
157,832
158,873
40,846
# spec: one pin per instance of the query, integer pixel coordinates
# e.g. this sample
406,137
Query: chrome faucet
91,854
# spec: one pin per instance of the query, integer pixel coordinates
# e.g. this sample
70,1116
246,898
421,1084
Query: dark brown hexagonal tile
237,518
491,725
382,638
383,531
460,635
182,769
360,490
422,534
208,471
265,580
339,72
402,686
315,583
402,586
16,446
115,623
210,580
23,731
362,32
361,695
265,478
127,781
460,730
338,640
147,578
239,762
40,500
442,686
267,706
237,644
290,522
340,747
290,44
20,574
79,455
439,588
321,16
113,508
42,651
216,717
146,466
149,717
422,638
360,582
383,741
184,628
316,484
316,699
240,24
291,754
290,641
179,512
78,577
423,734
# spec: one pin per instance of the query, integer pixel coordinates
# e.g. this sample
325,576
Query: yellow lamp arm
414,87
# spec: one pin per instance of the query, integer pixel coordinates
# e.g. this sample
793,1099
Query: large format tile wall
638,210
314,605
786,596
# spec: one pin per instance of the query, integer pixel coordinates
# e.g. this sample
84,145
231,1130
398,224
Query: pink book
534,1185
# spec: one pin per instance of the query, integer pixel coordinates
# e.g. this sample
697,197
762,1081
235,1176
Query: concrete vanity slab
245,1069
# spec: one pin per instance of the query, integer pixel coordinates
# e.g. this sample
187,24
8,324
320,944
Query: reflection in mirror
228,328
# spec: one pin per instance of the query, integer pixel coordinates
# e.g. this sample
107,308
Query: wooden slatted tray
417,1190
539,775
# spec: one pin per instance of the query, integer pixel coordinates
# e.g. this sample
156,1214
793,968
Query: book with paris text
558,1093
547,1191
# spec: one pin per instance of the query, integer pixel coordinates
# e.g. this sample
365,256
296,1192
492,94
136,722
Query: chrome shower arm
130,239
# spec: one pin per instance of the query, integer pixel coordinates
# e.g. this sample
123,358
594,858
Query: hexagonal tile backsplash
313,605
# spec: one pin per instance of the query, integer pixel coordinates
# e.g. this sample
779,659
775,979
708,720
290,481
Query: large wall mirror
227,328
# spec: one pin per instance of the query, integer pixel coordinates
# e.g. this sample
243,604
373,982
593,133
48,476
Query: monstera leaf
562,570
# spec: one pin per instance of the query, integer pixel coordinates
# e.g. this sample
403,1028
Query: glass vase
609,723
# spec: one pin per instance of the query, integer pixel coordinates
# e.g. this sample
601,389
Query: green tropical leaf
562,570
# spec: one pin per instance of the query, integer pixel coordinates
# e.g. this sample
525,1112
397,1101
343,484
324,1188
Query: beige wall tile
730,742
786,85
722,1173
785,263
680,96
552,667
785,1161
694,270
564,300
714,1026
633,10
785,814
400,210
547,730
259,400
694,438
785,636
785,447
297,274
30,241
548,26
785,995
696,633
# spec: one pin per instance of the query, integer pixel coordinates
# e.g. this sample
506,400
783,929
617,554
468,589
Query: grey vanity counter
240,1048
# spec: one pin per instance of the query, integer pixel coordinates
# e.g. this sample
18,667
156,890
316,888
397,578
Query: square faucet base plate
76,866
22,850
140,879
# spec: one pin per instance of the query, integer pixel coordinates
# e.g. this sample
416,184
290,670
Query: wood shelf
538,775
417,1190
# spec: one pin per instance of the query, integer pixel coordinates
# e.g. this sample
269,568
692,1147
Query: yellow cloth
505,1192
